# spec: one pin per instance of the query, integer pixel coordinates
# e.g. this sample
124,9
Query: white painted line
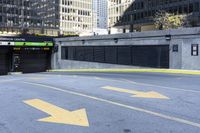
146,84
53,75
172,118
61,76
9,80
165,87
116,80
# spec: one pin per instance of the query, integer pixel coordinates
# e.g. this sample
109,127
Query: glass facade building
49,17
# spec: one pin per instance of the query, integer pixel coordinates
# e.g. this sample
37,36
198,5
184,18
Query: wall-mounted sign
26,38
31,48
39,44
195,50
17,49
175,48
6,43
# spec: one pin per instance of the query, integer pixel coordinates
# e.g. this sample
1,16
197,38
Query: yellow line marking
172,118
170,71
151,94
59,115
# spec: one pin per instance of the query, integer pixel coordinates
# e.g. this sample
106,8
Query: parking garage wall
183,46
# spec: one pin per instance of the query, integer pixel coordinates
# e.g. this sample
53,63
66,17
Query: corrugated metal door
34,61
99,54
124,55
151,56
111,54
4,61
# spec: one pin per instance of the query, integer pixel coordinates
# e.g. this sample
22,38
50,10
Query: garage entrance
25,53
4,60
31,59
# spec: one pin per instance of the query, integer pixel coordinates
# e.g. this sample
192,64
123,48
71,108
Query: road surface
61,102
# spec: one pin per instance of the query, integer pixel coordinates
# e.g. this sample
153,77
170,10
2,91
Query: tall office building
75,16
102,12
47,16
50,17
116,9
30,16
138,15
94,11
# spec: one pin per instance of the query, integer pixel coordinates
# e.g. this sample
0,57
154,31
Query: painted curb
167,71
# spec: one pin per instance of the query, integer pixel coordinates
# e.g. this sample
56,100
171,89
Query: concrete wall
69,64
182,59
188,61
176,57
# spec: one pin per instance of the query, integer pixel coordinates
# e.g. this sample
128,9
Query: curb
167,71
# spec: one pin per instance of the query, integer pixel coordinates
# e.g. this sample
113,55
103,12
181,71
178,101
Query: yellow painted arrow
59,115
151,94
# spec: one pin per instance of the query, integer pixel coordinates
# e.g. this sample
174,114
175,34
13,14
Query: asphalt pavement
67,102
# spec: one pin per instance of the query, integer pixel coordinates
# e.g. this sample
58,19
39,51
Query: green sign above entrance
39,44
